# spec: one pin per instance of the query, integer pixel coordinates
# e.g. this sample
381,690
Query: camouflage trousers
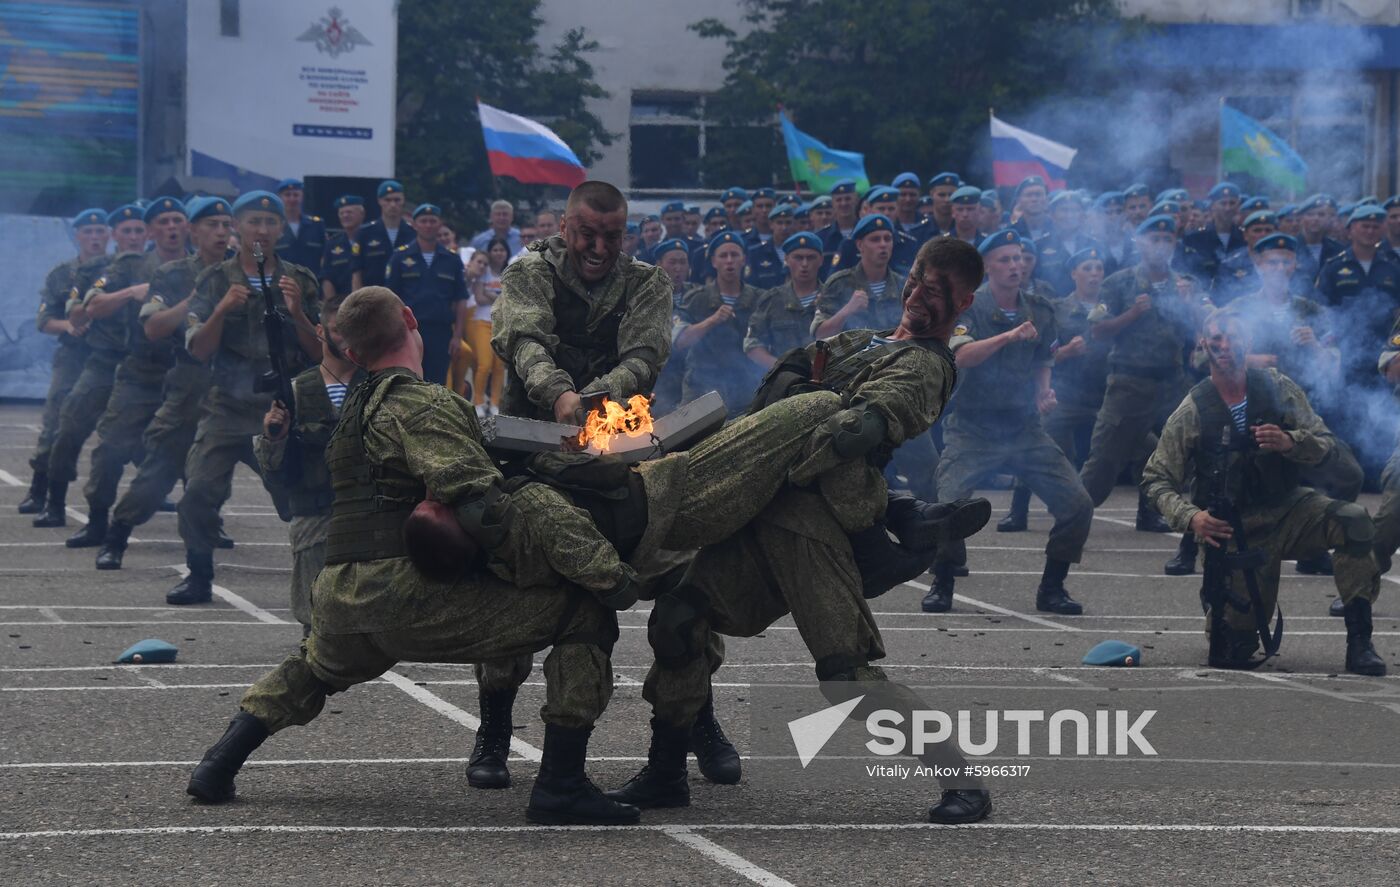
484,619
166,443
81,410
1071,427
224,438
308,538
1306,526
67,366
1388,514
1134,407
136,395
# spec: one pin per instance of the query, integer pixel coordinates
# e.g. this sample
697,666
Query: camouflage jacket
53,298
780,323
635,296
172,283
883,313
113,332
1000,392
1158,338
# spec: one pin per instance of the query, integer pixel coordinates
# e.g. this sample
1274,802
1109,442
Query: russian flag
1017,154
527,151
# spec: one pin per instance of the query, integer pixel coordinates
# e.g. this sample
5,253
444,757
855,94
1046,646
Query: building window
228,18
675,147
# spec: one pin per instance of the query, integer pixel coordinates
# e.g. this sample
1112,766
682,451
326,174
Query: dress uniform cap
1276,241
1260,217
724,237
125,213
149,652
349,200
388,186
427,209
666,246
265,201
1158,223
289,183
870,224
1092,254
1113,653
93,216
1366,211
160,206
1004,237
945,178
967,195
802,240
674,206
905,178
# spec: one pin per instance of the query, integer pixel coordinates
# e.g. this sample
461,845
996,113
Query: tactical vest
1254,478
582,353
315,422
371,501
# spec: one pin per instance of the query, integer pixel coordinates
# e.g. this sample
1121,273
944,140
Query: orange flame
601,427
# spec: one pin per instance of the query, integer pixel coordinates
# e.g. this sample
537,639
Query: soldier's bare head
595,220
378,329
941,285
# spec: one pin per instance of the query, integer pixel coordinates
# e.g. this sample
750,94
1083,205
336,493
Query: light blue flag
817,166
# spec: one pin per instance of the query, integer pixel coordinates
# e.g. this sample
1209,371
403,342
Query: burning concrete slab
678,430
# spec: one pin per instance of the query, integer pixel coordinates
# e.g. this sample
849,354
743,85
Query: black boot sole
50,523
209,794
493,782
1170,569
28,507
976,816
84,541
224,544
108,563
960,523
661,803
1371,671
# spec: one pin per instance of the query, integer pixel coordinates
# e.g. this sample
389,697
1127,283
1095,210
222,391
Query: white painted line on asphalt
1041,548
125,608
49,614
272,829
1323,691
116,667
135,622
724,857
1036,620
452,712
1113,520
9,480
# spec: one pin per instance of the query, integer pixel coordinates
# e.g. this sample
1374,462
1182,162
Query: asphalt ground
1289,773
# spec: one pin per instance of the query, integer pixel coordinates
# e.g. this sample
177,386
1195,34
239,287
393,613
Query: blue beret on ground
1113,653
151,650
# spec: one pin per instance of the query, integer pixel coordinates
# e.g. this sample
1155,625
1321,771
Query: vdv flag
1248,146
816,165
527,151
1017,154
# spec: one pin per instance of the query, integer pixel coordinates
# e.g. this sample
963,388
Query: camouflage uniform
557,333
884,312
1145,375
1280,516
68,359
780,322
233,410
717,362
1388,512
170,432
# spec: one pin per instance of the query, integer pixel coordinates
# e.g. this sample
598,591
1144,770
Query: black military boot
198,586
224,541
563,793
212,779
93,533
1183,563
1148,520
926,525
716,755
486,768
1319,565
961,806
55,505
167,506
113,547
1361,656
38,494
940,593
883,563
662,781
1337,608
1017,519
1051,596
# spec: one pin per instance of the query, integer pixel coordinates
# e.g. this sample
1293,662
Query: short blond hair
371,322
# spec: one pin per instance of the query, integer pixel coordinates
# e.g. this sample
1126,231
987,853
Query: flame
602,426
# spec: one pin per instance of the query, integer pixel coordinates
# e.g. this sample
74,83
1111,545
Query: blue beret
141,203
781,209
129,212
881,192
1063,196
1253,204
802,212
1223,191
693,210
802,240
1136,189
1158,223
990,198
674,206
427,209
204,207
634,228
1029,182
1276,241
1366,211
790,199
1092,254
160,206
905,178
1201,205
845,186
745,207
870,224
768,193
1317,200
1391,202
666,246
1029,246
151,650
650,218
1368,200
388,186
1260,217
1164,208
1113,653
289,183
94,216
1345,209
926,201
821,202
265,201
715,212
1179,195
349,200
1287,210
1108,198
945,178
1004,237
967,195
724,237
729,194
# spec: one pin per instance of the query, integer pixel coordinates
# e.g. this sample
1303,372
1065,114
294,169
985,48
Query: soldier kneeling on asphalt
1273,436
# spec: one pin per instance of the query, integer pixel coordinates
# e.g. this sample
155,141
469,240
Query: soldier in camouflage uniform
710,328
226,327
673,257
136,389
866,296
1388,513
91,233
106,338
170,432
1272,433
783,319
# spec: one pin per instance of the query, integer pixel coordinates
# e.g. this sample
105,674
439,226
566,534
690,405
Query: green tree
907,82
453,51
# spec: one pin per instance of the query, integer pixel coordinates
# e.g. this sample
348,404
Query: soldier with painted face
90,231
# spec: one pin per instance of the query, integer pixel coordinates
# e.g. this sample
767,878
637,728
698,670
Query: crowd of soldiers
1075,327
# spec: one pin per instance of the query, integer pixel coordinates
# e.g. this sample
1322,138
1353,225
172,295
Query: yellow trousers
488,369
